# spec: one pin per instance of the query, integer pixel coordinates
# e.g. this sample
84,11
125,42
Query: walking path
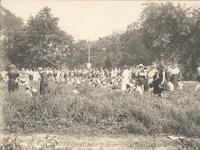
100,142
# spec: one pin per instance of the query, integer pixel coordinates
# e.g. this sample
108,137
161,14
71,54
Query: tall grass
94,110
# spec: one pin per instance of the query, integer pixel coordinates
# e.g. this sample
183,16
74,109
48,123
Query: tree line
162,29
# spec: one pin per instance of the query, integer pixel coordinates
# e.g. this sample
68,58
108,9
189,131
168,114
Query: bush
103,111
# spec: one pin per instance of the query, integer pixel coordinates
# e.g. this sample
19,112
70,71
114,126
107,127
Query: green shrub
103,111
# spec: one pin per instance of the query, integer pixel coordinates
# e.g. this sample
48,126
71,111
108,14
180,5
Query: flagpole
89,51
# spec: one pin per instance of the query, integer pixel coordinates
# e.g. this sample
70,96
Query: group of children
154,79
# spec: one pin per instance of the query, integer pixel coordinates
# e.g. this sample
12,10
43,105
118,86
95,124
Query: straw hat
40,69
140,65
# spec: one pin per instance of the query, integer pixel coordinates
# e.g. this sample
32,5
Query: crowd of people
154,79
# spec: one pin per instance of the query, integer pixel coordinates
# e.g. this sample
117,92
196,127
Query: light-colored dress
126,74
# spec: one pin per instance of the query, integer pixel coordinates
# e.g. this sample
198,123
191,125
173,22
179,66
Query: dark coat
12,84
43,83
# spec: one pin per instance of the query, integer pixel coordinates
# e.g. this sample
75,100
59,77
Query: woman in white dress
126,75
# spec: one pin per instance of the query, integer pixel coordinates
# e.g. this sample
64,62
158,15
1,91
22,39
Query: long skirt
157,87
124,84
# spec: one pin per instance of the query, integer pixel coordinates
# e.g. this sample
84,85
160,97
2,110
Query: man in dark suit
43,81
13,75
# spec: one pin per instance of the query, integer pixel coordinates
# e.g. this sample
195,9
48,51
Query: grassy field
98,113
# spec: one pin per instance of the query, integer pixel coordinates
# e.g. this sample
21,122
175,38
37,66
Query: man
13,74
198,78
43,81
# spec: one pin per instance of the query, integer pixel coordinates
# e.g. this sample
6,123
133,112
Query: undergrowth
93,110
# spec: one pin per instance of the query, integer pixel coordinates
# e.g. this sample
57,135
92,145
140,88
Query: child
30,91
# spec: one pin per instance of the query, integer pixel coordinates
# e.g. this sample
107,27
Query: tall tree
166,29
42,42
9,25
106,51
133,48
48,43
80,55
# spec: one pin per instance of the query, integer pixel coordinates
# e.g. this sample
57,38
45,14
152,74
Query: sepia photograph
99,75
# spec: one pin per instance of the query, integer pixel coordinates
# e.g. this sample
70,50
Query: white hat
140,65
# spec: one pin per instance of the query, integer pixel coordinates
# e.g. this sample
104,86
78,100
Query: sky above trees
86,19
170,29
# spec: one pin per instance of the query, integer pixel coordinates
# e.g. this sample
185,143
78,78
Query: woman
159,80
126,75
13,74
174,73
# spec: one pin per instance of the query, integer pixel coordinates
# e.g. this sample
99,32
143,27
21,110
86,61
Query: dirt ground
99,142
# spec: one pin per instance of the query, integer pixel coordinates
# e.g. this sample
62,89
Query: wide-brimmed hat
40,69
140,65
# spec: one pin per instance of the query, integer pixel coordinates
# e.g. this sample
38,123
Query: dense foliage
40,42
95,110
162,28
9,25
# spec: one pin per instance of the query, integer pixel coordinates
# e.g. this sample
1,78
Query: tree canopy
162,29
41,42
9,25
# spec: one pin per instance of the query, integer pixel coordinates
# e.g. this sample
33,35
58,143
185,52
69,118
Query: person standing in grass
151,73
13,75
43,81
141,77
159,80
126,75
198,78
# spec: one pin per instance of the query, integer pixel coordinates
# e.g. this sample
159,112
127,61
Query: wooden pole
89,52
